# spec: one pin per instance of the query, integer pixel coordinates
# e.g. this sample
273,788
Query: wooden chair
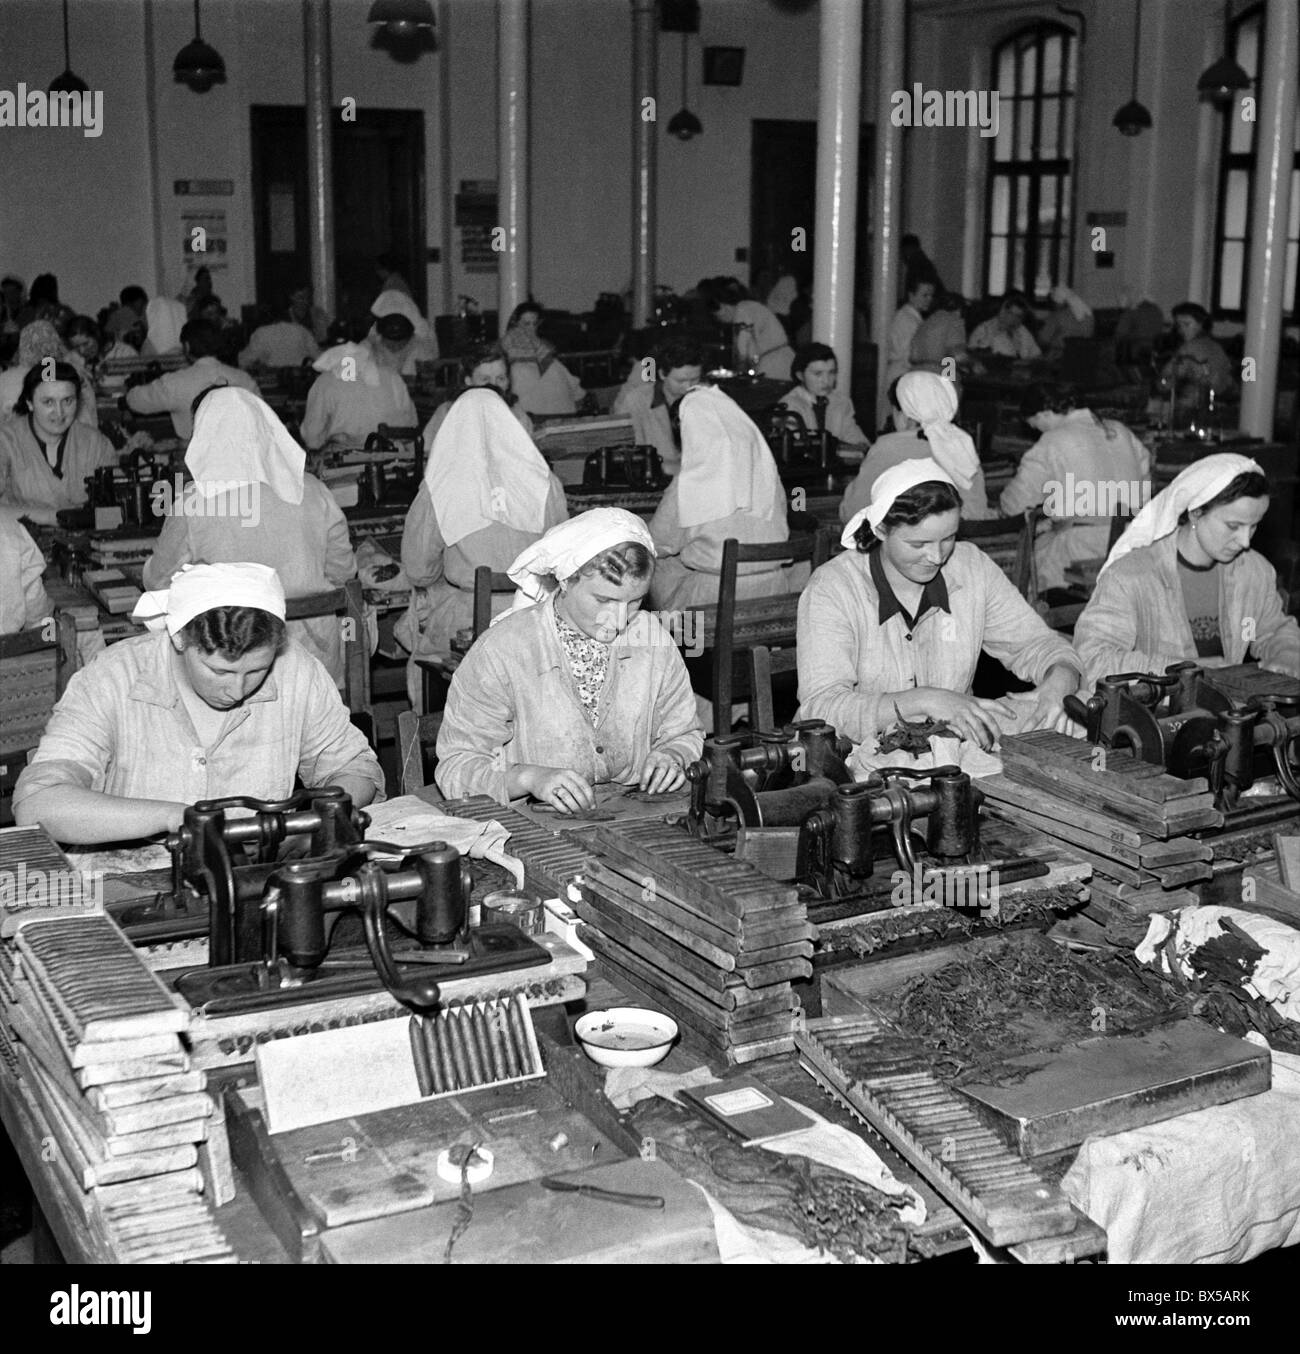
433,675
348,603
417,737
732,628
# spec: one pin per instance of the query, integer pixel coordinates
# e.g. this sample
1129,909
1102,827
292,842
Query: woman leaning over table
215,701
577,686
1182,583
894,627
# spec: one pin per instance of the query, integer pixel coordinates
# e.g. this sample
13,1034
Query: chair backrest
348,603
486,582
417,736
764,664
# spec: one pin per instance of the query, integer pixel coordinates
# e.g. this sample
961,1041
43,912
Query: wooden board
525,1224
1272,897
385,1163
1109,1084
614,804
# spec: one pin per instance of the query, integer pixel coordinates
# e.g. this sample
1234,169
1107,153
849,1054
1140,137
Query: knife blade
609,1195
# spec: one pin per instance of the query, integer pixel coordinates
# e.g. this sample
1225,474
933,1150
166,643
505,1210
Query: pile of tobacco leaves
966,1013
818,1205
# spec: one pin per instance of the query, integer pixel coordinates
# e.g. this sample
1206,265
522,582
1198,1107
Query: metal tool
607,1195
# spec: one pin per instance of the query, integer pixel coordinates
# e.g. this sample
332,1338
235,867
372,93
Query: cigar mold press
790,805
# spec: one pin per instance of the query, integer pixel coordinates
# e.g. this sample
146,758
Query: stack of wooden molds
704,937
94,1040
1124,817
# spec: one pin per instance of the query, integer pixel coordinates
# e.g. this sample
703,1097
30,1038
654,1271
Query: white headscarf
898,479
238,439
483,468
399,303
197,588
1196,485
363,366
165,319
932,401
567,547
727,467
1079,308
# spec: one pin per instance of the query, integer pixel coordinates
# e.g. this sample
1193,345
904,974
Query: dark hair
128,296
913,241
910,507
1198,313
1047,396
1016,299
81,325
63,371
892,393
1249,484
522,309
678,352
44,288
919,277
628,561
475,357
722,291
233,631
811,352
201,338
210,302
204,393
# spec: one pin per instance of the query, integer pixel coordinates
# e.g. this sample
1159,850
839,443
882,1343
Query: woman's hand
973,718
1048,710
564,790
661,773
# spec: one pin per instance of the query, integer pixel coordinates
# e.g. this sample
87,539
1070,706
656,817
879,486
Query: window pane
1234,207
1293,224
1048,146
1022,203
1242,133
1001,214
1248,45
1007,71
1024,129
1017,278
1064,205
1047,189
1288,293
1029,66
1043,274
1234,254
1002,146
1051,65
997,265
1067,128
1072,66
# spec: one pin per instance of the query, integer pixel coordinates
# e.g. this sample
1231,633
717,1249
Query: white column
151,130
888,186
977,159
645,59
320,164
839,117
446,174
512,151
1270,205
1205,184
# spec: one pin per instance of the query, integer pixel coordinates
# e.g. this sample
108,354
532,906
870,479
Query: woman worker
542,382
1200,365
357,390
1082,470
815,399
419,345
578,685
46,456
487,495
484,365
761,337
217,701
1183,584
38,341
728,486
893,628
251,500
924,405
24,603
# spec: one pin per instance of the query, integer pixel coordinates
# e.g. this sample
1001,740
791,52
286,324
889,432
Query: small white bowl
626,1036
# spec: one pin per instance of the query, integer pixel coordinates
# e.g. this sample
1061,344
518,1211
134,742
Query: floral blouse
589,664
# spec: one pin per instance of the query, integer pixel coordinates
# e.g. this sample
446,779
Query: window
1030,201
1236,185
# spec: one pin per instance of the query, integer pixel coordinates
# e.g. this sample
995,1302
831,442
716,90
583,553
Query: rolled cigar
466,1031
420,1054
519,1027
478,1030
500,1025
459,1056
443,1038
436,1070
500,1064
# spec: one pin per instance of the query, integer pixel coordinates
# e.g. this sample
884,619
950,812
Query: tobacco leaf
913,736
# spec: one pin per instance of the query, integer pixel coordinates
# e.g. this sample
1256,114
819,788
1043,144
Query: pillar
512,151
888,186
320,166
644,128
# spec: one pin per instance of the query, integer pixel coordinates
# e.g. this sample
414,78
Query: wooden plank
1119,790
1046,803
1176,851
1287,848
